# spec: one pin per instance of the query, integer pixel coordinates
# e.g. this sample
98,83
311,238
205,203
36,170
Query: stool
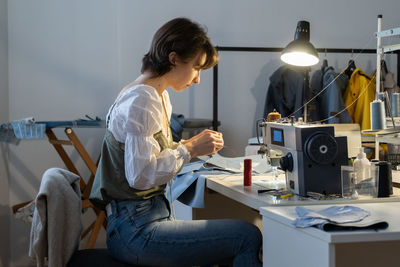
95,258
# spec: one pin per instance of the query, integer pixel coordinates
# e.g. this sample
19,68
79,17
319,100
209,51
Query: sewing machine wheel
321,148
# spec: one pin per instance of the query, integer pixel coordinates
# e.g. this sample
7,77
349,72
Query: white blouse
134,118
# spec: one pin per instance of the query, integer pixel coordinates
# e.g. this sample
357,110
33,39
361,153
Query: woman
139,158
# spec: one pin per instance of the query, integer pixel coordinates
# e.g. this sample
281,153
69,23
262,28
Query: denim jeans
143,232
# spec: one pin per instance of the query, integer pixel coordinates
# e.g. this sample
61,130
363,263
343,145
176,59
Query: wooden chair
86,187
101,219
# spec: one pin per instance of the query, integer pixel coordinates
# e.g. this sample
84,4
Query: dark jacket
285,92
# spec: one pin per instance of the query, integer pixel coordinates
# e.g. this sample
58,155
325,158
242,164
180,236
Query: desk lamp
300,52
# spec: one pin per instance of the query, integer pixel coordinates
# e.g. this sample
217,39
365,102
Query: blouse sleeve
146,165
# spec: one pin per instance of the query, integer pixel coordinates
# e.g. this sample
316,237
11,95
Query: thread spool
247,172
382,97
395,103
385,185
273,116
378,120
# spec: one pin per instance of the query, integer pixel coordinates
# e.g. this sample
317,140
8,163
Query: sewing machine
312,155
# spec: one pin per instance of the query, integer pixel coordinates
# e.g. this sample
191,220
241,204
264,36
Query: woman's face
184,74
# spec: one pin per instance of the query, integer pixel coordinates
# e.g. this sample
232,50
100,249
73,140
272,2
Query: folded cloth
334,214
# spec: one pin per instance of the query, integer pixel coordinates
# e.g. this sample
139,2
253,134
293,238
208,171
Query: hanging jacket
363,86
285,92
330,102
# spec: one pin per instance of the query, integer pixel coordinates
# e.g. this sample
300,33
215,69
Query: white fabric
57,222
134,119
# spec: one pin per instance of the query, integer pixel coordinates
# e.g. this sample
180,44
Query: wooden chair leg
87,230
81,150
96,229
57,144
16,207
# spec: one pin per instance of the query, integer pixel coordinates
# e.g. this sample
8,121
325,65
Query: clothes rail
279,49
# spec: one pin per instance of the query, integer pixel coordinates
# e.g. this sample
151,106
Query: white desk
231,188
285,245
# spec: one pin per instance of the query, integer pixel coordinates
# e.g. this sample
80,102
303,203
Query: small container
247,172
366,188
362,167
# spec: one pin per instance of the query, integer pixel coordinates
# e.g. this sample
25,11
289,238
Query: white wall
68,58
4,195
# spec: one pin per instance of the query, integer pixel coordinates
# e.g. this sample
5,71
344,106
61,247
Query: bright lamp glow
299,59
300,52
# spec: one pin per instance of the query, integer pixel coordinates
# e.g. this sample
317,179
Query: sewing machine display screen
277,137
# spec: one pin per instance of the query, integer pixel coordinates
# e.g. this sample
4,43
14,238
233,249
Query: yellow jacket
363,85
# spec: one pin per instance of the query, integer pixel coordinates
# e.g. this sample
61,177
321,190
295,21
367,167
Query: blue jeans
143,232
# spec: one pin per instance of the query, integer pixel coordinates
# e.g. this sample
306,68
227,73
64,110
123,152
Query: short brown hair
182,36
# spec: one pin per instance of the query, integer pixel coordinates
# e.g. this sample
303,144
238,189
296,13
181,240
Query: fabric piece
361,225
193,196
27,128
330,101
361,91
334,214
189,185
57,223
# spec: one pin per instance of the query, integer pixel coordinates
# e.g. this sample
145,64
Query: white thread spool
378,120
395,103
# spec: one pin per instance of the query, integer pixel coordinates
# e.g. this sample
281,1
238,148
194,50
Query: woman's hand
205,143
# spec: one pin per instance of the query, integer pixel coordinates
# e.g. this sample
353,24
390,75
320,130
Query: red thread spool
247,172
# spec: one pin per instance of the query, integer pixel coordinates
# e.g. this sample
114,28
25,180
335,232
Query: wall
70,58
4,195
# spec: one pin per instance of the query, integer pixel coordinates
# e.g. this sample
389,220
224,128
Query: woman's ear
172,58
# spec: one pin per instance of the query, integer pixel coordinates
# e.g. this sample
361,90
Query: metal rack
215,122
382,137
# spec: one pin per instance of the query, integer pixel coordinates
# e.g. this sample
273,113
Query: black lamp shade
300,52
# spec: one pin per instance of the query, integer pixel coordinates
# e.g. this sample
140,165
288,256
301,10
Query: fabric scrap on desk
235,165
335,214
337,218
189,185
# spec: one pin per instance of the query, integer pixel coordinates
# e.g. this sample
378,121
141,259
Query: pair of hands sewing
205,143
